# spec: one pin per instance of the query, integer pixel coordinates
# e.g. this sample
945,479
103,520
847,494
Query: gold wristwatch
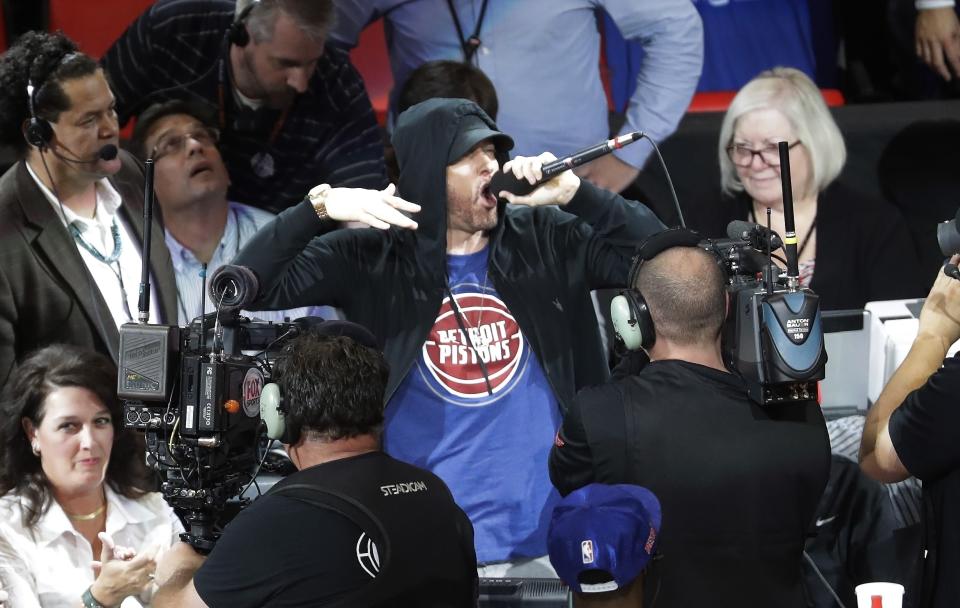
318,198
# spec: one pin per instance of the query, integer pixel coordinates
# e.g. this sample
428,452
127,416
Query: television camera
195,394
773,335
199,409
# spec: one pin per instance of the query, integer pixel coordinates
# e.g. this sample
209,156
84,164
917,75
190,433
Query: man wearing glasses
203,229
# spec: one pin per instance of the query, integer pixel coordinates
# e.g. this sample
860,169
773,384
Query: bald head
685,290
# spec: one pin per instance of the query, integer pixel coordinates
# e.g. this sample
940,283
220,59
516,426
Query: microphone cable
666,173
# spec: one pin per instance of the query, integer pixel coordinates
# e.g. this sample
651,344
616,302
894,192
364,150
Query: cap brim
468,139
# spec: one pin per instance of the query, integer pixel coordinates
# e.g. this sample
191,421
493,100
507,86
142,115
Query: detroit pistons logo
452,355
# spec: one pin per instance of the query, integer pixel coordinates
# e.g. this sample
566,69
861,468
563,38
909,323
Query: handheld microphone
507,182
106,152
951,270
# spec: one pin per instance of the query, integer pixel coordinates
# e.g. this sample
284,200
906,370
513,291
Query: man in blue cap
601,539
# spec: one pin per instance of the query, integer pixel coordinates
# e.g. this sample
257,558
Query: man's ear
726,305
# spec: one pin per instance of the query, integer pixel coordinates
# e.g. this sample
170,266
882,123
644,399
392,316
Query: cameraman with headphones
353,527
70,208
912,429
738,482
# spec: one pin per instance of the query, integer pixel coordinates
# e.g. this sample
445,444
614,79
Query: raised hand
121,572
374,208
557,191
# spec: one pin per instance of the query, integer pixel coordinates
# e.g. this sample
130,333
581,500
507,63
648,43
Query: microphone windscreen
506,181
233,286
108,152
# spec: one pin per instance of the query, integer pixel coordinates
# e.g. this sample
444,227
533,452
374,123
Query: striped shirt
178,49
242,223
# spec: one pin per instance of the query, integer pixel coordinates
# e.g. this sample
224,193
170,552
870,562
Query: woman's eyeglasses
742,155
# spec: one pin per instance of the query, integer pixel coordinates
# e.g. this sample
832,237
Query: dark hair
447,78
47,60
152,115
685,289
314,17
41,373
333,387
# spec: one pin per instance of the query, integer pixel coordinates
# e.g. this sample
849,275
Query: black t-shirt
738,482
925,431
283,552
359,532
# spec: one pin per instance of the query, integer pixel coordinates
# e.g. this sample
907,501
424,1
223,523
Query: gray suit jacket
46,293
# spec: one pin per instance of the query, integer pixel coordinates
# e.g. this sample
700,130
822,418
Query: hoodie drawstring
463,329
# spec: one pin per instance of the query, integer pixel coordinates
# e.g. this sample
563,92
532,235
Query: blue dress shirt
543,58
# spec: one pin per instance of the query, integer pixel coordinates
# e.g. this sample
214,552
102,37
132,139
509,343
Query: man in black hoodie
483,309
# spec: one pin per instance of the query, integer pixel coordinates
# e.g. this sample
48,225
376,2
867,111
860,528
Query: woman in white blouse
78,526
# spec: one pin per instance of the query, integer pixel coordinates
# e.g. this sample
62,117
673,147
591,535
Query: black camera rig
199,408
774,334
198,405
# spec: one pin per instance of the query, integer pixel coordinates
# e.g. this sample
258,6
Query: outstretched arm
939,328
291,269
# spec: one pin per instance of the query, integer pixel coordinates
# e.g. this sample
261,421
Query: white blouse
49,566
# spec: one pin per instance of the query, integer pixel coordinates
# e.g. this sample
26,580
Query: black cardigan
864,251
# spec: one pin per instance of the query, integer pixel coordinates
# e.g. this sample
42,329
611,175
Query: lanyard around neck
471,44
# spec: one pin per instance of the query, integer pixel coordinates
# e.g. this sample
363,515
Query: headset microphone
106,152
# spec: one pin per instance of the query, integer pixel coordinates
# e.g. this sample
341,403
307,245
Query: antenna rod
790,236
203,307
770,272
143,303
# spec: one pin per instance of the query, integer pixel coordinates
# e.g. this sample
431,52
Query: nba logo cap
601,537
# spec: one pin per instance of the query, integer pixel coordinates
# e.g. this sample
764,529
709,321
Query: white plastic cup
890,594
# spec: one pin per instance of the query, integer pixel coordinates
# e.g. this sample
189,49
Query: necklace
482,296
88,516
77,231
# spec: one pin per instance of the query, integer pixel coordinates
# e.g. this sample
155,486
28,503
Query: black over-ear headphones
273,408
38,132
238,35
629,312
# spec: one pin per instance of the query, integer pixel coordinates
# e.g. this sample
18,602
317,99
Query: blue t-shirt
491,450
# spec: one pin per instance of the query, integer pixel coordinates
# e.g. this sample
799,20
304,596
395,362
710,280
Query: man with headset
353,527
738,482
912,429
70,208
291,111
